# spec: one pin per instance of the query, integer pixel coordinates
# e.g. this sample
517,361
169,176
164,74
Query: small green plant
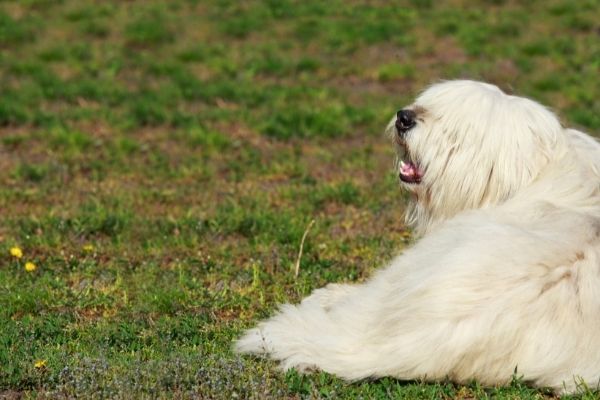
14,32
149,29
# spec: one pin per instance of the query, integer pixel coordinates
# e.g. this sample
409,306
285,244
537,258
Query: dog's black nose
405,120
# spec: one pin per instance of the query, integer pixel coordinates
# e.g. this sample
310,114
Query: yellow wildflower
88,248
40,363
30,267
16,252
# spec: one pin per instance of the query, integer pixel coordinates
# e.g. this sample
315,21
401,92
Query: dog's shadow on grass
309,383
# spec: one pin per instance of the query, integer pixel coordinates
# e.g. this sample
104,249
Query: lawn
161,161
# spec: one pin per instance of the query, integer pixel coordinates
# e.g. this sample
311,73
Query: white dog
507,274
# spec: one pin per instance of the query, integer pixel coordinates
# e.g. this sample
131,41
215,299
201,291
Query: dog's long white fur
506,275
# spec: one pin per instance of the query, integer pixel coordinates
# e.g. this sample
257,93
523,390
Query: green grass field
160,162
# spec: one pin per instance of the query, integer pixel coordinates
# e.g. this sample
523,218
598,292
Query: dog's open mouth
409,170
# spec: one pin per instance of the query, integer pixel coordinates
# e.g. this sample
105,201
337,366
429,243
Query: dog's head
465,144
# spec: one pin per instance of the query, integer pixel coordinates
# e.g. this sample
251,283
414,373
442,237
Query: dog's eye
405,119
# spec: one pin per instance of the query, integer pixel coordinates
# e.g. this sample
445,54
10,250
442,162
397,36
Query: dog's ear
543,129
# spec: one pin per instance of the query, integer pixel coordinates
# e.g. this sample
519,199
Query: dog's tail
308,335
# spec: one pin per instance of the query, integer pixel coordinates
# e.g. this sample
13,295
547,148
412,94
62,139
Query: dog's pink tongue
408,169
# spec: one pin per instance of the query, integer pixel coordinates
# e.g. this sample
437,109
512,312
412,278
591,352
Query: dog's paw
253,342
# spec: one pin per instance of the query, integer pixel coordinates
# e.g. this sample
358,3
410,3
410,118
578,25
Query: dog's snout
405,119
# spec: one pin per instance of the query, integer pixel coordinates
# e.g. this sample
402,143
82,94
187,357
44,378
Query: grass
161,160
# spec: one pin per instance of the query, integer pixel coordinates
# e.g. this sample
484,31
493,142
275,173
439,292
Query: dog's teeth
402,164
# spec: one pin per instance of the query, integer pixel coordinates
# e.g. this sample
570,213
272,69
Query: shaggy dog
506,276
